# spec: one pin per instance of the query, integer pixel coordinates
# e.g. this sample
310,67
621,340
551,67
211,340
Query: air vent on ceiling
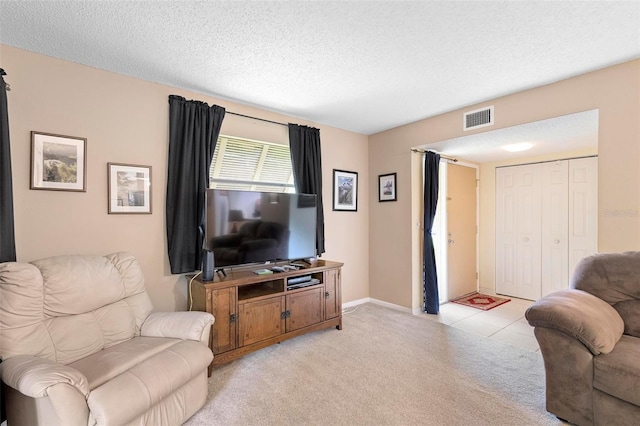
477,118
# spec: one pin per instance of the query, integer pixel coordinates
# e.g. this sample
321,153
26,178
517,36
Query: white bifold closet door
546,221
583,209
555,226
518,231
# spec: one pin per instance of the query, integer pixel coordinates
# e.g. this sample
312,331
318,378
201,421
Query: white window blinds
251,165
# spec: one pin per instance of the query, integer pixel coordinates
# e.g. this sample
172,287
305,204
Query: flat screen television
248,227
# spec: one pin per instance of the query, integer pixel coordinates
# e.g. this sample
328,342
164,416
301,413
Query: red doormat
480,301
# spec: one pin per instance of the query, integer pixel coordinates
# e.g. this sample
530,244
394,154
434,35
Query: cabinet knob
285,314
326,295
526,239
557,241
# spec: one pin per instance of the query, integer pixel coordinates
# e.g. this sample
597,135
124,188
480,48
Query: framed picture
387,187
345,190
58,162
129,188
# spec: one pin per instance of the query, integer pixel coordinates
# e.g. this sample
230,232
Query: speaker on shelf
208,265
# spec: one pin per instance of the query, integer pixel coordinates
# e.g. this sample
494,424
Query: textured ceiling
362,66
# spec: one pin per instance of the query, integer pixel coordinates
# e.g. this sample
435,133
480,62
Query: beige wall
614,91
126,120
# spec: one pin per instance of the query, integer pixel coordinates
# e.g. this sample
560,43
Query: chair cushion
104,365
64,308
618,372
630,313
613,277
123,398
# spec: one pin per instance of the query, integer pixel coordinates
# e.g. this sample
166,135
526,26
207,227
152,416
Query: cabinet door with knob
333,294
223,307
304,308
261,320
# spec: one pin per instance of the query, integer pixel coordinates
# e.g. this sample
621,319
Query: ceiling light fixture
517,147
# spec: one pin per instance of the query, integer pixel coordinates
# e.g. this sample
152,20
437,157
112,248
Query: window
251,165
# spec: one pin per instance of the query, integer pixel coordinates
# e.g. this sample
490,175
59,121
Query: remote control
278,269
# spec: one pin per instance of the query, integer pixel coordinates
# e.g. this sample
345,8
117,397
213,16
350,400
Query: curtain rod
422,151
256,118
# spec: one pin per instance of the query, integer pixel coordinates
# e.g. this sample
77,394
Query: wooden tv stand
254,311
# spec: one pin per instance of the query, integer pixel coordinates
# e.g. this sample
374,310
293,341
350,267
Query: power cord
346,312
190,293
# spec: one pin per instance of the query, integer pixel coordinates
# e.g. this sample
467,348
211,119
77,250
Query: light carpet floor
385,367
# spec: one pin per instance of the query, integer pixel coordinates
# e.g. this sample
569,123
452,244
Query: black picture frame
387,187
345,190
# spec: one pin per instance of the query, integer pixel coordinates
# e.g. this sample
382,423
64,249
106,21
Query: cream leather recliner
80,346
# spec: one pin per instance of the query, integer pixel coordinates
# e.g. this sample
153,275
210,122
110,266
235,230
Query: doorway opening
455,230
569,136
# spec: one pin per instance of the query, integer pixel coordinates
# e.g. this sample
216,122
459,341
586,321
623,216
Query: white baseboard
381,303
355,303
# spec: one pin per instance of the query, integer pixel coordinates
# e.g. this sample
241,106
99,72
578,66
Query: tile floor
505,323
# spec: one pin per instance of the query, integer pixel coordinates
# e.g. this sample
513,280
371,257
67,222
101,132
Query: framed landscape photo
58,162
387,187
129,188
345,190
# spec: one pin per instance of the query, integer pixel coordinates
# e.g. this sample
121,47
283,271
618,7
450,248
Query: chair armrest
33,376
192,325
581,315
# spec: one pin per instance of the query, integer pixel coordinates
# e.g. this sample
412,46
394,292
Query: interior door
583,209
461,230
518,231
529,230
555,241
506,230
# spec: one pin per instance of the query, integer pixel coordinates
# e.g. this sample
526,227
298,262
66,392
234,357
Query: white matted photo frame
387,190
129,188
345,190
58,162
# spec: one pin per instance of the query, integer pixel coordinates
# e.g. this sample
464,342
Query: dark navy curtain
194,128
430,277
7,232
304,144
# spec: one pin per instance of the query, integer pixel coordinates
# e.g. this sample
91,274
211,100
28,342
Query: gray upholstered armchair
589,336
80,346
